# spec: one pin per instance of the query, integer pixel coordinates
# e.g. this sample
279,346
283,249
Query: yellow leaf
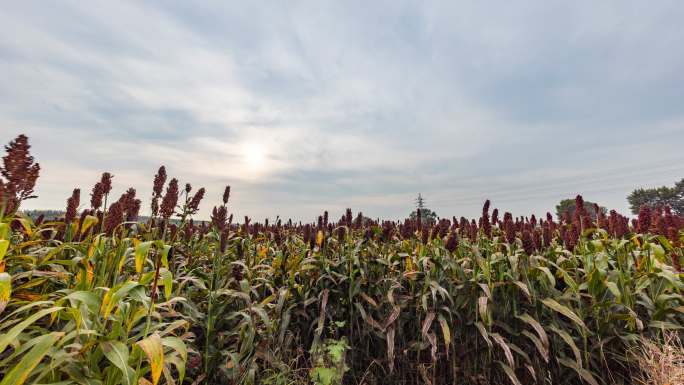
4,230
5,290
154,350
319,238
4,245
87,223
141,251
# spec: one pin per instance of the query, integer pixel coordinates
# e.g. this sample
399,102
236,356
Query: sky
305,106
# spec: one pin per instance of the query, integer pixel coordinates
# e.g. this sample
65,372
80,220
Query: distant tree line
659,196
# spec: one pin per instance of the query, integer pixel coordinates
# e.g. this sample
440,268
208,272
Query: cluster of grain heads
99,298
19,174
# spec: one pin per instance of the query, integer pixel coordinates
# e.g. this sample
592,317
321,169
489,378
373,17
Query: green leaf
664,325
553,305
114,296
165,255
117,353
549,275
166,281
21,371
7,338
87,297
570,342
176,344
323,376
658,251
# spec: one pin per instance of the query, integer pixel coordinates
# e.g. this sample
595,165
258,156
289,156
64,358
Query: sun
254,156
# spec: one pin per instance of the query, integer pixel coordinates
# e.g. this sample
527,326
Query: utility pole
420,202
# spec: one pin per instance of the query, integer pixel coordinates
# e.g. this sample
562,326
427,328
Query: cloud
308,106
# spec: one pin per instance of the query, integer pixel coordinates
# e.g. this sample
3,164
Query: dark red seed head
106,182
168,205
218,217
193,205
114,217
72,206
19,170
644,219
226,195
159,181
527,242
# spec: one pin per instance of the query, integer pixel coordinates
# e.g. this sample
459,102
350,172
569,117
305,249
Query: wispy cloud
360,105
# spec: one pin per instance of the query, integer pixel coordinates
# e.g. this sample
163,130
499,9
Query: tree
568,205
427,216
659,196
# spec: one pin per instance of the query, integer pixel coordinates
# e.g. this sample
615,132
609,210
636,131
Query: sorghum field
98,297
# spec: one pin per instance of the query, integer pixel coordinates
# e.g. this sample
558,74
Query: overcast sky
303,106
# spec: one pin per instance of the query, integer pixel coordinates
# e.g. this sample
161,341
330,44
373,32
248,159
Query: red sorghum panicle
226,195
237,272
579,208
218,217
571,237
473,231
193,205
188,231
106,182
644,221
188,188
546,234
133,210
306,237
170,200
358,222
72,206
114,217
223,241
173,230
96,196
452,242
484,222
536,235
245,225
159,181
340,234
19,170
419,219
527,242
157,188
509,228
